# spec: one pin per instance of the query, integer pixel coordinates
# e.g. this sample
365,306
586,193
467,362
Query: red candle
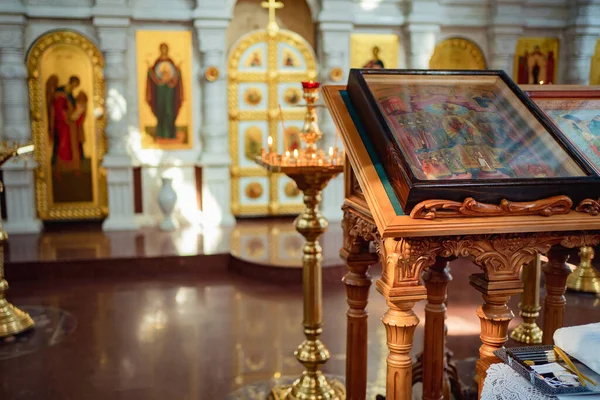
310,85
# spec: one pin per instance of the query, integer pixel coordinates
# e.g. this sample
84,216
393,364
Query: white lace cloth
503,383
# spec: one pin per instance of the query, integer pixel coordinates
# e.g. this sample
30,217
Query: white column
505,28
582,35
335,45
112,32
422,29
19,183
215,159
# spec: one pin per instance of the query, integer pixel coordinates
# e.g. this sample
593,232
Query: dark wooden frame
411,191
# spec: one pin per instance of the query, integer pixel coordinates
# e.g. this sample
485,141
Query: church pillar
19,182
112,32
422,40
215,158
505,27
582,35
335,45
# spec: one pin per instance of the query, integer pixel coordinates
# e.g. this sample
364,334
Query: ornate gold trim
46,210
431,209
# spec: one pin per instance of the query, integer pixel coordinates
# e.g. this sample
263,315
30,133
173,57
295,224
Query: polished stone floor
202,333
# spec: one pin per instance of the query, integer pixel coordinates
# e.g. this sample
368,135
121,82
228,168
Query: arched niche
249,15
457,53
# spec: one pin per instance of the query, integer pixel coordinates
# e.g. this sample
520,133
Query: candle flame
330,151
287,153
270,141
295,153
25,149
541,82
313,156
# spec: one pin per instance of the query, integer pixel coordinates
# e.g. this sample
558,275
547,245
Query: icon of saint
66,117
375,62
164,93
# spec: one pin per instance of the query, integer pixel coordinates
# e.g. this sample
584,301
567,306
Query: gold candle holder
584,278
528,331
311,170
311,133
12,320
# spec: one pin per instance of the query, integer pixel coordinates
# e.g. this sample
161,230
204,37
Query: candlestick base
12,320
584,278
307,387
528,333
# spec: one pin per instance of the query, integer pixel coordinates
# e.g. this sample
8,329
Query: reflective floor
206,333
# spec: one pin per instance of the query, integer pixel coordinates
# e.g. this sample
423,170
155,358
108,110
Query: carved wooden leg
436,280
495,316
357,280
400,322
556,271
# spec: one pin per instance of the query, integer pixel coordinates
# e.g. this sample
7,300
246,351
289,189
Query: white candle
270,144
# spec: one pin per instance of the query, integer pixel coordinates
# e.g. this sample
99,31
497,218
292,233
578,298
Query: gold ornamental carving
336,74
91,97
254,190
431,209
211,74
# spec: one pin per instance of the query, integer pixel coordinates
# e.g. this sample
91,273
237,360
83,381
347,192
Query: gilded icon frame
46,207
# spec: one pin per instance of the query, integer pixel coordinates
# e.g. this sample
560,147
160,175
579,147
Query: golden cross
272,5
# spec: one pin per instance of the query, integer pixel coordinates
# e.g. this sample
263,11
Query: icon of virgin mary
164,93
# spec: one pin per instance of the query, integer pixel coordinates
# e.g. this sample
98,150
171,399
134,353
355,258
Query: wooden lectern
446,164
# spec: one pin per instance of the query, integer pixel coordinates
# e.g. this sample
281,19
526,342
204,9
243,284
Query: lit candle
270,144
541,82
330,152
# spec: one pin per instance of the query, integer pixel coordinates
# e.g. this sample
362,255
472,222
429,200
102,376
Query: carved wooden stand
404,259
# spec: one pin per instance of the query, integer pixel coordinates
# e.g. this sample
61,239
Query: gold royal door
265,72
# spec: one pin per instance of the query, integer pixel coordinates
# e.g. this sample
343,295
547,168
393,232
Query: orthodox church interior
193,209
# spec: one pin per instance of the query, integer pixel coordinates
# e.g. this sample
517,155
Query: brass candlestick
12,320
584,278
311,169
528,331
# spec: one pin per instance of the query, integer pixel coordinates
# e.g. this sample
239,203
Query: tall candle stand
311,169
12,320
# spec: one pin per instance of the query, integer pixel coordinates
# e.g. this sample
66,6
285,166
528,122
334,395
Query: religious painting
450,126
291,138
595,66
374,51
536,61
253,96
457,53
292,96
252,142
290,60
577,114
164,67
255,59
66,90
